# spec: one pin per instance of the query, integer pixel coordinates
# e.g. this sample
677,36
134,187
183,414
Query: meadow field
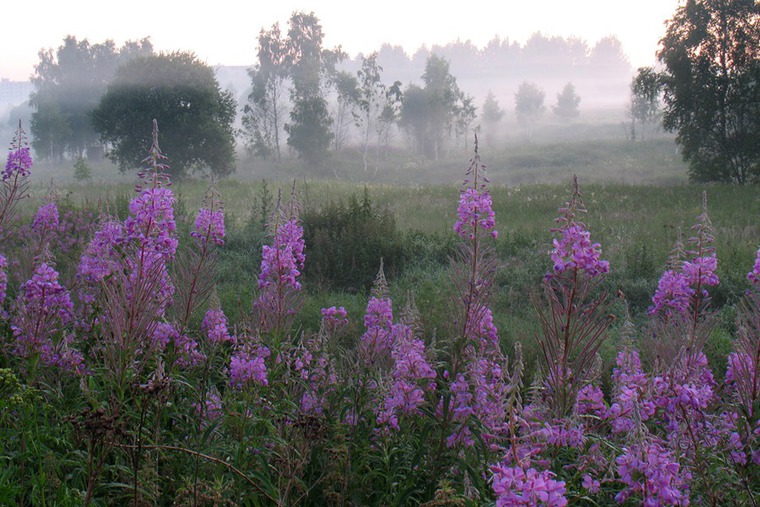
637,194
342,337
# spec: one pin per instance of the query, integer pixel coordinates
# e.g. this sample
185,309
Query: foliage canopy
711,54
182,94
68,83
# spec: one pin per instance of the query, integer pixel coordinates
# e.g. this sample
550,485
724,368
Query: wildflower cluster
282,262
574,251
517,487
209,223
683,288
19,161
248,364
377,340
754,275
215,326
477,377
162,381
412,377
475,213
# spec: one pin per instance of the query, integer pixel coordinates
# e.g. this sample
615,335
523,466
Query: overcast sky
225,31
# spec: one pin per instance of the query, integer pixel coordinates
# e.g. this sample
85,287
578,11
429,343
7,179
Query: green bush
346,243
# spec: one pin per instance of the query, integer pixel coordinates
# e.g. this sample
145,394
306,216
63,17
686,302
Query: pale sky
225,31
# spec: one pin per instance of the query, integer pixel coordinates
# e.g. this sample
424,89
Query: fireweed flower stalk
412,378
476,375
41,322
652,475
248,363
754,275
743,376
377,340
132,276
281,266
314,370
515,487
196,264
576,322
15,180
679,311
42,234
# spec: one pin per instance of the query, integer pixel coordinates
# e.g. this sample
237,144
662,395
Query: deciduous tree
567,103
69,83
711,55
644,108
180,92
263,115
529,103
372,101
347,96
443,96
309,130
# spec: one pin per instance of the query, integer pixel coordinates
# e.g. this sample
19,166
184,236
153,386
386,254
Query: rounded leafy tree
183,95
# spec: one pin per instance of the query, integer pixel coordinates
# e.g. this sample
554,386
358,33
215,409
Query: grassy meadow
637,194
314,396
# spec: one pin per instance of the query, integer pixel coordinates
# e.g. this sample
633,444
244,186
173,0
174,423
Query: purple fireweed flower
19,163
100,258
43,311
649,471
151,221
562,435
482,331
517,487
754,275
164,334
574,250
210,411
701,271
379,313
215,326
247,365
404,398
475,213
491,391
63,355
209,224
408,354
412,375
187,353
281,263
481,389
333,317
314,366
673,294
685,282
461,409
185,348
47,218
377,340
3,280
590,484
591,401
630,385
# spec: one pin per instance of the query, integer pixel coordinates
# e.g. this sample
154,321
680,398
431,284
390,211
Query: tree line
305,98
